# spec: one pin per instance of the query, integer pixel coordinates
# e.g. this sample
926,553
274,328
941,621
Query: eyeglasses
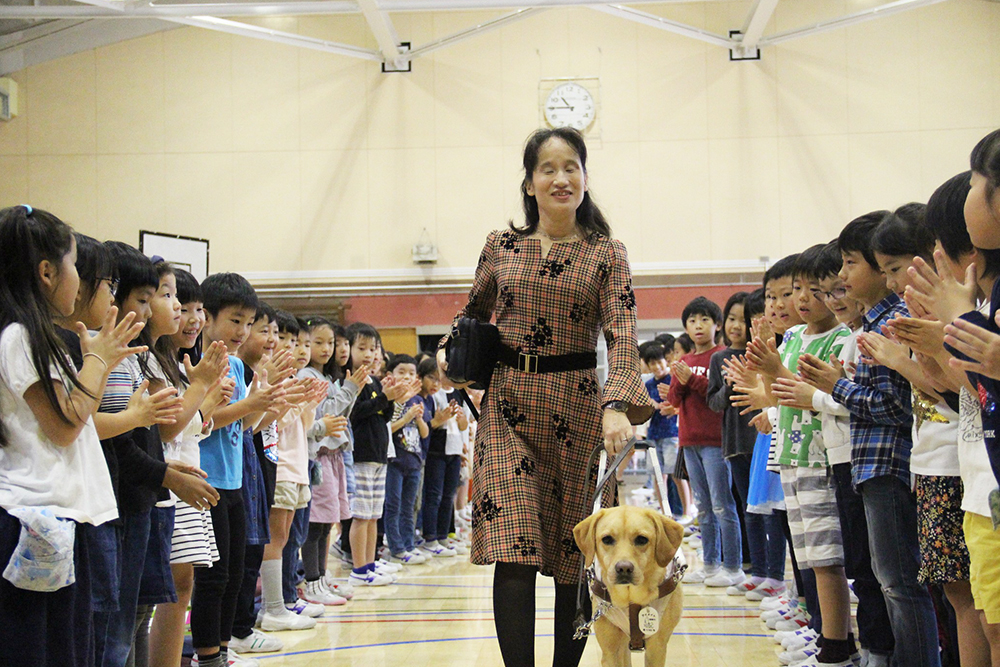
835,293
112,285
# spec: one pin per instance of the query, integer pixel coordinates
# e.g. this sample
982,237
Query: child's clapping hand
920,335
975,342
681,371
879,350
666,409
159,408
819,373
214,363
279,367
264,396
762,356
793,392
939,293
334,424
359,376
762,423
112,343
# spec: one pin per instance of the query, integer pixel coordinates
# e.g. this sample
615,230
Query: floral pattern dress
530,484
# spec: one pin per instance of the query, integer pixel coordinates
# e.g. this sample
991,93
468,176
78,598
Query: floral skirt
944,558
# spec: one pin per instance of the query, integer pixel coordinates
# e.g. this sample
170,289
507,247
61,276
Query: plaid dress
530,483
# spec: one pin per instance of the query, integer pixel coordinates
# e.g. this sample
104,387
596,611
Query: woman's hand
617,431
112,343
793,393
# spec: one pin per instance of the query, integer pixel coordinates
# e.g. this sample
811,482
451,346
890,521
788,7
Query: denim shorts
157,583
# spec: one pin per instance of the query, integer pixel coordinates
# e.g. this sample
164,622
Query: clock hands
553,107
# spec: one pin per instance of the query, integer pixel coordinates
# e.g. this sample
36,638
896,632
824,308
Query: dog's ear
583,534
669,537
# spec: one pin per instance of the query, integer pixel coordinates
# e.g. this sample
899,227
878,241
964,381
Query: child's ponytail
27,237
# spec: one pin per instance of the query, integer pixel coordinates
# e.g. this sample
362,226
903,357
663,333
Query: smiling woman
554,285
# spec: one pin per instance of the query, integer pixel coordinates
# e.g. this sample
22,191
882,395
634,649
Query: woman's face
982,214
559,181
165,319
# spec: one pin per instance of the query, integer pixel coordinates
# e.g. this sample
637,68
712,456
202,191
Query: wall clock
570,104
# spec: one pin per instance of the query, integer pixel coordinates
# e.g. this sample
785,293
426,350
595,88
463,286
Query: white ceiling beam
385,33
287,38
475,30
668,25
757,19
274,8
844,21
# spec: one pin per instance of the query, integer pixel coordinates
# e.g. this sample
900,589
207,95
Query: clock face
570,105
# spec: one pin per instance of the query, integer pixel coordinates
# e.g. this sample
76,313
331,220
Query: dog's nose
624,569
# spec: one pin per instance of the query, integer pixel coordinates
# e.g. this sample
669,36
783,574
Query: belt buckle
527,363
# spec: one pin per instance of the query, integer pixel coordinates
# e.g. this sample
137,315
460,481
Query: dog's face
632,545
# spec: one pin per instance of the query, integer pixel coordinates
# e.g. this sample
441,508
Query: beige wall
292,160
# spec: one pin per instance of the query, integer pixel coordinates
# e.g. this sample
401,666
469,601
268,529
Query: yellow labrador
634,548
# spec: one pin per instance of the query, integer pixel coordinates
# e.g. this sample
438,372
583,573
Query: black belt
534,363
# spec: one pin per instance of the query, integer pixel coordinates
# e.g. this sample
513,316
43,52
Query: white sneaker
287,621
437,550
406,558
766,590
317,593
786,638
787,608
793,622
693,576
800,642
767,604
369,579
257,642
685,520
724,578
303,608
798,655
417,556
813,662
236,660
742,588
341,588
458,546
387,566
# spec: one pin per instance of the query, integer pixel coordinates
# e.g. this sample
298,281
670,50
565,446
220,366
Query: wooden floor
441,614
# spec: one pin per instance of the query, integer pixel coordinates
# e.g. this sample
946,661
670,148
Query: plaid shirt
881,409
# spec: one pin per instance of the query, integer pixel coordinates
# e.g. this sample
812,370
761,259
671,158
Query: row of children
854,414
164,444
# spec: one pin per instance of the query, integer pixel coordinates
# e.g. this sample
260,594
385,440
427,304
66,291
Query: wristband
96,356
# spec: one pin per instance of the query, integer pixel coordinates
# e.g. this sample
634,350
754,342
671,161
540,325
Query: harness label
649,621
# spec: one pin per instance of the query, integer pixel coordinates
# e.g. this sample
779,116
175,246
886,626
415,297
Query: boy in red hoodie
701,444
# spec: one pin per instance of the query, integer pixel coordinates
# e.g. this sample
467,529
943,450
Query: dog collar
637,638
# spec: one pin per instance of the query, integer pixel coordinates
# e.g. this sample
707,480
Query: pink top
293,453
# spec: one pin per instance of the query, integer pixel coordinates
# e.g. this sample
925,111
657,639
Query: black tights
313,551
514,616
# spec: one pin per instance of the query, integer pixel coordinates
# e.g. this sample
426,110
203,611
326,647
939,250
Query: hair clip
28,209
157,259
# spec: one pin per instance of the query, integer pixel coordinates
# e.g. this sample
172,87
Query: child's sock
370,567
836,650
224,653
431,544
270,580
360,571
214,660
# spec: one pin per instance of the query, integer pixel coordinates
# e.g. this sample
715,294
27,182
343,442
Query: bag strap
464,395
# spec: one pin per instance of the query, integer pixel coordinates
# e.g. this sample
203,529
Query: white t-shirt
72,481
457,438
973,461
935,437
184,447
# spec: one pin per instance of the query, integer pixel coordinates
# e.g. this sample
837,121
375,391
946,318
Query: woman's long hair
588,215
27,237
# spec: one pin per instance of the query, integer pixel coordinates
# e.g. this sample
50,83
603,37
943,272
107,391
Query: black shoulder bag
472,351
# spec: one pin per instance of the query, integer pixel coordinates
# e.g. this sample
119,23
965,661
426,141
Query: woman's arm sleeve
483,295
618,320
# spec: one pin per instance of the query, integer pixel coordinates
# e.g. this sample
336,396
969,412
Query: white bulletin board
184,252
